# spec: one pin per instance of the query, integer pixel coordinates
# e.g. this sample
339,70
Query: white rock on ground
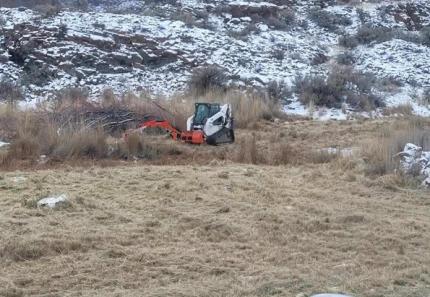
53,201
2,144
414,159
19,179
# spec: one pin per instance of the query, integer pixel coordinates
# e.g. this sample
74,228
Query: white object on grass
2,144
415,161
53,201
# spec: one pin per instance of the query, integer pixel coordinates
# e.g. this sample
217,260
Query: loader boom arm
193,137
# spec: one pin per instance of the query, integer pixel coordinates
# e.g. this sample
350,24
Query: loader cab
205,111
215,120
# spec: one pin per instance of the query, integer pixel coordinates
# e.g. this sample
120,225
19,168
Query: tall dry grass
248,107
380,153
56,129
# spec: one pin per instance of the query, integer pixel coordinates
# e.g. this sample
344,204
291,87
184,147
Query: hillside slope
153,47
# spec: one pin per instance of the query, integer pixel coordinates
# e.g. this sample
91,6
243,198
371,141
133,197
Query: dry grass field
211,226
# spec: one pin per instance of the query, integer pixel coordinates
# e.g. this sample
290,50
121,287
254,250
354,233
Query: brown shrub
402,110
134,144
209,78
398,180
72,98
26,146
137,146
248,151
27,128
328,20
84,143
5,160
283,154
342,85
10,92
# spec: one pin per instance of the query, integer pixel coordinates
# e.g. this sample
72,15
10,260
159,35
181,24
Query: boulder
415,161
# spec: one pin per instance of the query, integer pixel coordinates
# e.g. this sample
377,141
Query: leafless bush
425,98
248,152
245,32
2,21
250,108
72,94
289,17
276,23
278,91
10,91
389,84
187,18
346,58
62,31
48,10
403,110
342,85
158,2
37,74
208,78
328,20
278,54
29,135
425,36
363,16
368,34
83,143
318,59
284,154
82,4
136,146
26,146
316,90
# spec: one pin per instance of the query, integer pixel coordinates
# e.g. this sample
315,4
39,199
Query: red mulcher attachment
193,137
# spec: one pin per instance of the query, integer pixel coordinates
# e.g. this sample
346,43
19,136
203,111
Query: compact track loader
211,123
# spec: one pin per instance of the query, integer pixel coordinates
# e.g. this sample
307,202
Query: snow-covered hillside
153,47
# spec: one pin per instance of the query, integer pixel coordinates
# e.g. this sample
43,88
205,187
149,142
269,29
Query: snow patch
3,144
415,161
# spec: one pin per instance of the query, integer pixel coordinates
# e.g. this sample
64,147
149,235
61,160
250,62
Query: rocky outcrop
81,55
416,162
253,10
157,46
